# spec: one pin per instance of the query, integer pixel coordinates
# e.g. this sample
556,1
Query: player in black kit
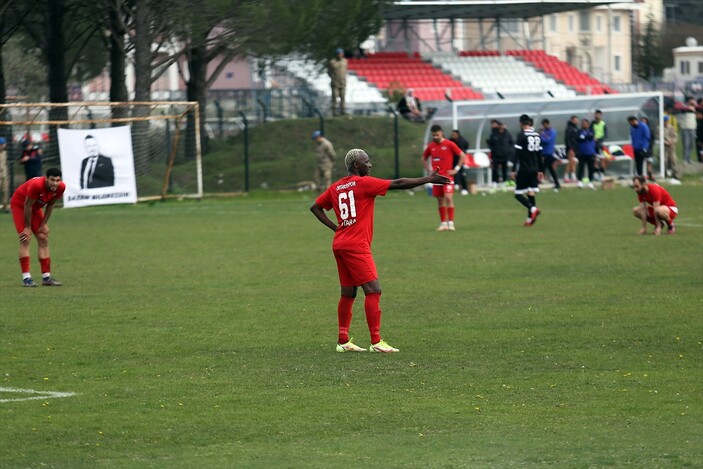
529,166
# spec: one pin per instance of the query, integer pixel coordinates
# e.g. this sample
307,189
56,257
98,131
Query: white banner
97,166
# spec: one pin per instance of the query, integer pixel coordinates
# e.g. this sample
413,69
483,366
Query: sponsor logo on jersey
341,187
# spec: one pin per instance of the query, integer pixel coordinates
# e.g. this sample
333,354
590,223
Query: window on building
685,67
599,23
617,23
700,68
553,23
584,21
510,25
571,23
617,63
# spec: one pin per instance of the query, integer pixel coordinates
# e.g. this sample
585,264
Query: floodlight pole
246,151
395,141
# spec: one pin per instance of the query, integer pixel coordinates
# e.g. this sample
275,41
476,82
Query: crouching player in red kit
656,206
26,204
352,199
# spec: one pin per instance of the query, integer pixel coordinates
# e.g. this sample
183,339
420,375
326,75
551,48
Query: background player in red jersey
352,199
26,204
656,206
444,155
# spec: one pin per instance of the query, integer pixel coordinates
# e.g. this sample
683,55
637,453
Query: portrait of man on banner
96,169
98,166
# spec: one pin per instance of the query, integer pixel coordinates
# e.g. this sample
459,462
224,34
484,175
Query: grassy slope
281,153
201,334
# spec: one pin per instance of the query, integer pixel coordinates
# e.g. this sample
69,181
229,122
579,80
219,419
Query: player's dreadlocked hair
352,157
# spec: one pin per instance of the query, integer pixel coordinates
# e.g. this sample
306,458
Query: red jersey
442,155
656,194
352,199
36,189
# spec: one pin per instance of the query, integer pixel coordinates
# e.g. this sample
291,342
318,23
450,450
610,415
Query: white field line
39,394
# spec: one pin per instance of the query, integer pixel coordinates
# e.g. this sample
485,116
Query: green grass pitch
201,334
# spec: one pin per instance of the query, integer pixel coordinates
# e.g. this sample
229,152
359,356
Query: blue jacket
639,134
587,143
549,138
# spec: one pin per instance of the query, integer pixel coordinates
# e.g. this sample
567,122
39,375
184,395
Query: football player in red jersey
352,199
32,205
444,155
656,206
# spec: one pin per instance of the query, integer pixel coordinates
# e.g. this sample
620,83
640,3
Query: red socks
373,315
344,317
24,264
45,265
446,213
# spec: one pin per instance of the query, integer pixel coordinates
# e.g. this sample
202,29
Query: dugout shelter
473,118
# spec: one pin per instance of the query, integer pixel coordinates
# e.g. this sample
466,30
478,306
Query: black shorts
526,181
599,148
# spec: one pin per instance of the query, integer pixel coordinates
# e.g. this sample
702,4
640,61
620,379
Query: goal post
165,139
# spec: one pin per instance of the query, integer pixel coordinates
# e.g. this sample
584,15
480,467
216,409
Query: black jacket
103,173
571,136
501,145
403,105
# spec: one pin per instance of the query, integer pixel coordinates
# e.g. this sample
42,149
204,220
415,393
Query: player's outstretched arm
320,214
409,183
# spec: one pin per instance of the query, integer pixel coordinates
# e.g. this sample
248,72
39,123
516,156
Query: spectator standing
600,133
571,141
32,205
352,198
639,136
4,175
670,140
460,177
410,107
528,168
325,160
444,155
548,137
31,159
586,154
656,206
687,125
502,149
337,70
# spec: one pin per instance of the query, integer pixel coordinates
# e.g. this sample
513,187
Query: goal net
165,139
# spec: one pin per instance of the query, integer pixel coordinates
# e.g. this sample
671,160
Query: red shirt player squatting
665,210
352,199
447,157
26,204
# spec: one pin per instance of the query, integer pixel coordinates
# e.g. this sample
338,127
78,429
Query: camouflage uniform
325,163
337,70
